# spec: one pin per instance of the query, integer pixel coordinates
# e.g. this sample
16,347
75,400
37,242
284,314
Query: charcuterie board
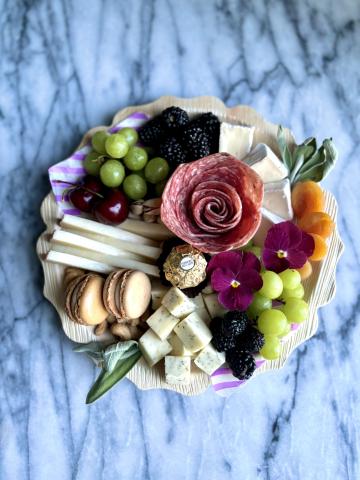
319,287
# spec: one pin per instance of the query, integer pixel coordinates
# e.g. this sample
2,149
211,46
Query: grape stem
73,186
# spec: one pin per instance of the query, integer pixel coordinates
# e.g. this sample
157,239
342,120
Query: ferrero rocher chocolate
185,267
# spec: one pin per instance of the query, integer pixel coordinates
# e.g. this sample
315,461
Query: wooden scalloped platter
319,288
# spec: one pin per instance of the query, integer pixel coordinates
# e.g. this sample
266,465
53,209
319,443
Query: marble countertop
67,66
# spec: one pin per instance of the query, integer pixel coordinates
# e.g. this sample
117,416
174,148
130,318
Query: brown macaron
127,294
84,303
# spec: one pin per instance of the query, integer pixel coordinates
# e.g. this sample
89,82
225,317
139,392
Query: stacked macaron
123,298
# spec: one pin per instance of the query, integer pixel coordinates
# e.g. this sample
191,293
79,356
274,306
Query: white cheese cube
152,348
209,359
277,198
177,370
162,322
236,139
268,219
178,348
178,303
201,309
193,332
266,164
213,306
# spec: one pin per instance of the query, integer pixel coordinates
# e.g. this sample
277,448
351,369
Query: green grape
112,173
98,141
92,163
136,159
272,348
135,186
249,244
255,250
157,169
290,278
116,146
130,134
159,188
286,330
272,285
272,322
258,305
296,310
297,292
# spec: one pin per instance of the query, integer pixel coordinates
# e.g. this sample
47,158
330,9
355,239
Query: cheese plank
177,370
193,332
162,322
209,359
152,348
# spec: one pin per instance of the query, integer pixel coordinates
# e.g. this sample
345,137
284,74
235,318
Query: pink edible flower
286,246
235,276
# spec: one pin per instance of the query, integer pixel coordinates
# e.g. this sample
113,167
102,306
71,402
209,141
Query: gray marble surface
68,65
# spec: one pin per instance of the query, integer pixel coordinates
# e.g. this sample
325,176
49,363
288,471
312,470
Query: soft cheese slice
193,332
213,306
201,309
70,222
153,348
162,322
178,303
178,348
266,164
277,198
177,370
209,359
236,139
77,262
268,219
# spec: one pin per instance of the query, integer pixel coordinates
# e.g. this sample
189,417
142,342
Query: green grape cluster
286,292
118,161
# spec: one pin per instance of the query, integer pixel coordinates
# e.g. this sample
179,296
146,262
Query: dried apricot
317,222
307,197
305,271
320,249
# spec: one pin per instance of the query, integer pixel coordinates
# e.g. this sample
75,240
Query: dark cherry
113,209
83,196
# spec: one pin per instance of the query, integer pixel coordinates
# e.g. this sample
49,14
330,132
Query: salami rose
213,203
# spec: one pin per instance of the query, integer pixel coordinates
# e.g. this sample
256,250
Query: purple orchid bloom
286,246
235,276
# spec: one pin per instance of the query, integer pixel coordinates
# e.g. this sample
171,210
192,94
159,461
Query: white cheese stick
155,231
193,332
73,222
83,244
209,359
152,348
178,303
78,262
162,322
111,262
177,370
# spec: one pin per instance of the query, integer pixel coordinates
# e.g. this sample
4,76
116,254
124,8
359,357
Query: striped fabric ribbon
71,169
223,381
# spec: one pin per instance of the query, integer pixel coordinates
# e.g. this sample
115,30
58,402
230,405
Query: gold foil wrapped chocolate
185,267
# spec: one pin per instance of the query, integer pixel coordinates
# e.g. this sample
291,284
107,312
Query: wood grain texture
319,288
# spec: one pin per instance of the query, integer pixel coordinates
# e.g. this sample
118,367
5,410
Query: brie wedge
268,219
277,198
236,139
266,164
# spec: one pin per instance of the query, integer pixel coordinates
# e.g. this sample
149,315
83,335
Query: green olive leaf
284,149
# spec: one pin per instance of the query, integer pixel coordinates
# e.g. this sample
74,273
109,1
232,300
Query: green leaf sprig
306,161
115,361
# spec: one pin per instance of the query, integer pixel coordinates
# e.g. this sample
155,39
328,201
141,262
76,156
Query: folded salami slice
213,203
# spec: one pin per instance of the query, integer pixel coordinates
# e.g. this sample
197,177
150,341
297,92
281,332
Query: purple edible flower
286,246
235,276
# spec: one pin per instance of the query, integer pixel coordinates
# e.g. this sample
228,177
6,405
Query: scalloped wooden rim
318,294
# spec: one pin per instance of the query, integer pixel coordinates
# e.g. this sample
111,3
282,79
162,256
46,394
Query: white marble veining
68,65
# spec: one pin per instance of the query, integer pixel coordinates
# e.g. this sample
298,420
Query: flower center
281,254
235,284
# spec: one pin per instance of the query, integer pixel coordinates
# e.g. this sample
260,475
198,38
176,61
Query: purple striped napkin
71,169
223,381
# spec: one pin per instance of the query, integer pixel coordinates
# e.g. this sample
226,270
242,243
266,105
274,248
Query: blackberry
221,341
210,125
152,132
241,363
196,143
174,119
172,151
235,323
251,340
